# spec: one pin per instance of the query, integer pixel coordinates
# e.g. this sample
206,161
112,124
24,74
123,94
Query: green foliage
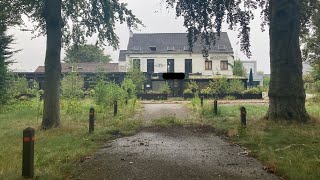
238,69
229,98
130,88
106,94
187,91
266,81
72,86
5,54
219,85
206,90
136,76
166,88
254,90
193,87
236,86
20,85
86,53
195,101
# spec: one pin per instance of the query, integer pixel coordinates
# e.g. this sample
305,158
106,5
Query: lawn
58,150
291,150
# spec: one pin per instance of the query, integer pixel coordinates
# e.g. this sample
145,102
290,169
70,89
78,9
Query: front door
188,66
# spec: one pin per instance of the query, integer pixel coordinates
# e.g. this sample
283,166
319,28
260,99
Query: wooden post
28,153
115,108
215,107
243,115
91,120
201,101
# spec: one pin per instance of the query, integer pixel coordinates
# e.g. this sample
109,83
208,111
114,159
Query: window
186,48
150,66
208,65
224,65
222,47
188,66
170,65
136,63
153,48
136,48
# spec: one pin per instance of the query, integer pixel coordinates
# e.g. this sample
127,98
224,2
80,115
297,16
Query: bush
235,86
206,90
229,98
106,94
254,90
72,86
187,91
219,85
20,86
130,88
166,89
193,86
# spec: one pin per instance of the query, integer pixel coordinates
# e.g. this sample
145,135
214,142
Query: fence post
115,108
91,120
243,114
28,153
215,107
201,101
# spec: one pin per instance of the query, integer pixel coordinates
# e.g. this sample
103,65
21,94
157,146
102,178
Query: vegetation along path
171,153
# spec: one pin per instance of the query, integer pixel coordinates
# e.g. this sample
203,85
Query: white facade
198,62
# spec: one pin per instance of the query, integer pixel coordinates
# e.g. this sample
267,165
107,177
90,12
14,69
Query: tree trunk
286,93
51,111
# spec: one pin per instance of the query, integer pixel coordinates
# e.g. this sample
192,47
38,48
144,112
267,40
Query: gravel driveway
171,153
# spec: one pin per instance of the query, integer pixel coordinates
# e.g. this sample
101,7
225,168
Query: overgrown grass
57,150
291,150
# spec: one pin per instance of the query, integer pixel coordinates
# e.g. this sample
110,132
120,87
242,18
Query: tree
287,19
5,54
86,53
311,40
136,76
238,68
66,22
250,78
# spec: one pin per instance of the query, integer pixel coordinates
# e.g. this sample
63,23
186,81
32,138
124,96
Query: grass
58,150
291,150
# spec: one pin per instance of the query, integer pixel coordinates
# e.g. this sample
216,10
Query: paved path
172,153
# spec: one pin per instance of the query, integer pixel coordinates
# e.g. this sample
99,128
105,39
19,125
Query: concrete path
171,153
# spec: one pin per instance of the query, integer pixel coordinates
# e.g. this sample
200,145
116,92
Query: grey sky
157,19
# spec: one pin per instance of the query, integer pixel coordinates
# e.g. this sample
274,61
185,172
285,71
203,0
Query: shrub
206,90
193,86
229,98
72,86
236,86
254,90
166,88
187,91
219,85
106,94
20,86
129,87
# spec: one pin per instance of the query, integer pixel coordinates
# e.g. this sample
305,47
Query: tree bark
286,93
51,111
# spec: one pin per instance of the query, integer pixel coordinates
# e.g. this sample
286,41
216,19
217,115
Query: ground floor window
224,65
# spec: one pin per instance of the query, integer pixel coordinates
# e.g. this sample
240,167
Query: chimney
130,33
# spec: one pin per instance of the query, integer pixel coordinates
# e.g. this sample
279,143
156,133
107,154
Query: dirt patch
171,153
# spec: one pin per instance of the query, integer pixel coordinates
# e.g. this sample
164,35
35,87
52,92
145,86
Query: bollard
243,113
201,101
28,153
115,106
215,107
91,120
126,101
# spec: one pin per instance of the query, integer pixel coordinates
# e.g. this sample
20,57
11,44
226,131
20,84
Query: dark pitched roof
86,67
177,42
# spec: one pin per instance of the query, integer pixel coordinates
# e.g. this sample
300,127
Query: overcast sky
157,19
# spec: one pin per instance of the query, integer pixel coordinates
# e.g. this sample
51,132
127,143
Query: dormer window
80,67
186,48
136,48
170,48
153,48
221,47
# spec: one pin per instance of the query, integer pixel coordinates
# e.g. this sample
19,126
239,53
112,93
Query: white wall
198,62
